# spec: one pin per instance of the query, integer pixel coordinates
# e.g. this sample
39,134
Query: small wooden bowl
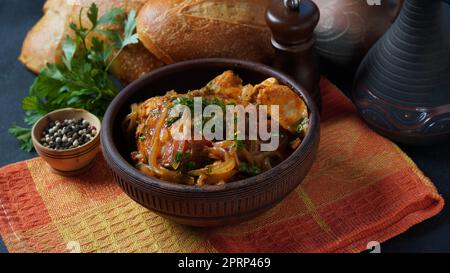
209,205
73,161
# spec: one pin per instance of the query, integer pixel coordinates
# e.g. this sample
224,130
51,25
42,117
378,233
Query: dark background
18,16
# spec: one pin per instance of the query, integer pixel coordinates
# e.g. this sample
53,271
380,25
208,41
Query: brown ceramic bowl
72,161
209,205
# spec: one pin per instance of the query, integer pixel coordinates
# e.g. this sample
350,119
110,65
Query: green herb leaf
93,15
24,136
189,102
111,17
240,144
179,157
30,103
113,36
82,81
80,32
99,53
220,103
246,169
302,125
172,120
69,48
129,30
130,40
191,165
129,37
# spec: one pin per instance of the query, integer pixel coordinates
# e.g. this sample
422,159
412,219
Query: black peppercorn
67,134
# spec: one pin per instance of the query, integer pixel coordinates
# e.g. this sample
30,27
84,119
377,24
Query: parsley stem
83,37
113,59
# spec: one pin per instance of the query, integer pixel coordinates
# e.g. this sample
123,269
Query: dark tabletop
17,17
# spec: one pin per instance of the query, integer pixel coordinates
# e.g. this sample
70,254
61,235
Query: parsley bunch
82,79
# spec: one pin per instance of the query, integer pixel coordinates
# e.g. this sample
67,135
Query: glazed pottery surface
73,161
402,88
348,28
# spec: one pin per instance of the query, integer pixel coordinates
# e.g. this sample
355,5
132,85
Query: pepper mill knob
292,23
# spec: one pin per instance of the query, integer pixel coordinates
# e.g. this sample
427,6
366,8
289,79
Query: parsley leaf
248,170
69,47
129,37
82,79
302,125
111,17
129,30
92,14
24,135
179,156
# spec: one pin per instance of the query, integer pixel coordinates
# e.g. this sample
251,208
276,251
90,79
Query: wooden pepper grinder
292,23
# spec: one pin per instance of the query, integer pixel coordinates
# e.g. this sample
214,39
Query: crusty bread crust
176,30
170,30
42,44
134,62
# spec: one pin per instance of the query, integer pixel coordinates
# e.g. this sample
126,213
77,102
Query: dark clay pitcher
402,88
348,28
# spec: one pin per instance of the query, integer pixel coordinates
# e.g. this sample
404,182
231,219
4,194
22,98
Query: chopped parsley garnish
246,169
240,144
179,156
189,102
191,165
218,102
170,121
302,125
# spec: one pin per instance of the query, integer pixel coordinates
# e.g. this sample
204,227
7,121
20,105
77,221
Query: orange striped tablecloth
362,188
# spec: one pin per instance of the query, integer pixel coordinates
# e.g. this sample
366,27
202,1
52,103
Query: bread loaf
43,43
170,30
176,30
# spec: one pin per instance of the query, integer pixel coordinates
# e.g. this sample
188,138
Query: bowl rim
147,181
37,144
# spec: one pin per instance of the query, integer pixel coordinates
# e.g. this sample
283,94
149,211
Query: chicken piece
227,84
148,115
149,107
292,108
249,92
193,152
